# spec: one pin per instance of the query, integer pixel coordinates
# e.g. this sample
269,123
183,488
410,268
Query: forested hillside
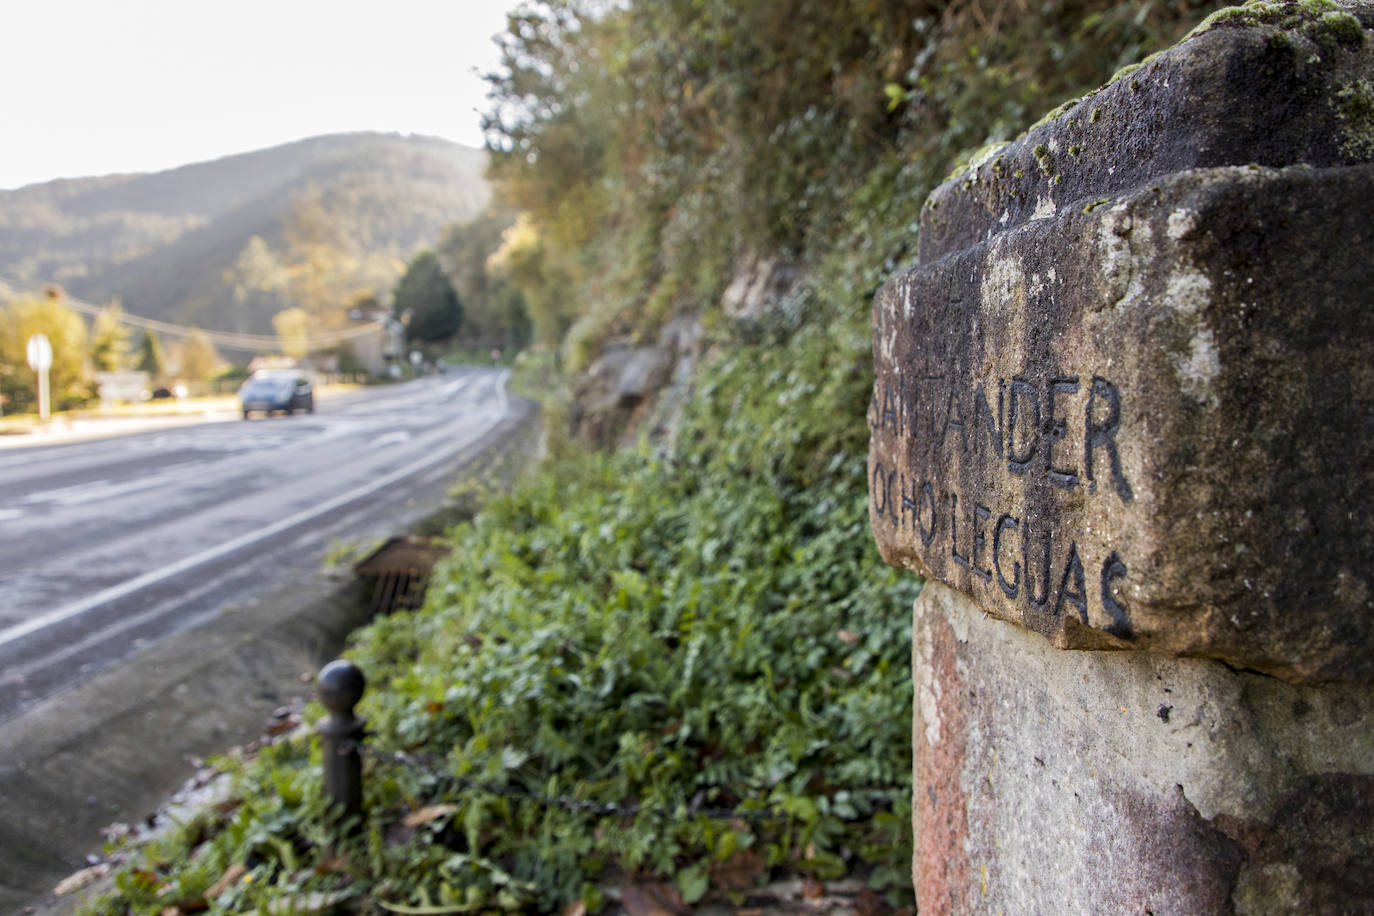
227,244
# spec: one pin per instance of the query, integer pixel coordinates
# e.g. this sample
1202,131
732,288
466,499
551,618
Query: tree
293,330
151,359
425,293
66,332
494,311
525,265
109,339
199,359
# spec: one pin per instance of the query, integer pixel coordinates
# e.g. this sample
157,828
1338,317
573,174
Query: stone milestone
1126,400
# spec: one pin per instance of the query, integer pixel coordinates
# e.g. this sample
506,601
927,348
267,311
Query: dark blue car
286,390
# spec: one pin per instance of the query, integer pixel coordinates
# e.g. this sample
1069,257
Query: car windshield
270,382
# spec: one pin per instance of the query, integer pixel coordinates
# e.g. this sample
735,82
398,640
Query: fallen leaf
848,636
231,875
812,889
334,865
870,904
425,815
576,908
281,726
739,872
653,900
78,880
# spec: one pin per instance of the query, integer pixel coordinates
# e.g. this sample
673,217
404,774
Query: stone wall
1125,402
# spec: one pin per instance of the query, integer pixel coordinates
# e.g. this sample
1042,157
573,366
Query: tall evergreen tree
424,292
152,359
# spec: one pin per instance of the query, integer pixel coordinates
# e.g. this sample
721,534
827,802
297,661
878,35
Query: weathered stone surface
1129,406
1272,88
1092,782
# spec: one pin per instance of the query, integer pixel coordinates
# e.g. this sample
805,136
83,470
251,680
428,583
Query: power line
230,340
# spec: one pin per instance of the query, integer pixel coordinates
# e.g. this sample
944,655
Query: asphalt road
109,546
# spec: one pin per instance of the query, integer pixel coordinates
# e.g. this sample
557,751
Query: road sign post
40,361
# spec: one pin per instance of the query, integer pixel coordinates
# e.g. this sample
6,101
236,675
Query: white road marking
115,592
392,438
453,388
96,490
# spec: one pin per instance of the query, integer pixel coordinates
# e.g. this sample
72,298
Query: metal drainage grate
400,569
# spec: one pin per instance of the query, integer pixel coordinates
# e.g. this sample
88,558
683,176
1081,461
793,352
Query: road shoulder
113,747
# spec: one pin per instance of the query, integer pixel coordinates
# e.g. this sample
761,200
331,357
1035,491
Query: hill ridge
168,242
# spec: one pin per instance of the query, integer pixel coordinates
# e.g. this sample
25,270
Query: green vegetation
151,358
66,333
425,300
494,315
198,361
109,340
681,661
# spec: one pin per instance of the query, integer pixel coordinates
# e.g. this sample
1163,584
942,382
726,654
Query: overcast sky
98,86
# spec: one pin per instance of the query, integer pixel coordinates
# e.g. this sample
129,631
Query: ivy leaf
693,881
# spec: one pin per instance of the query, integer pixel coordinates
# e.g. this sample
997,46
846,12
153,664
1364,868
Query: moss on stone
1322,21
1354,106
976,160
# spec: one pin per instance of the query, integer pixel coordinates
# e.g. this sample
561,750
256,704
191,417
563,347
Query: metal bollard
340,687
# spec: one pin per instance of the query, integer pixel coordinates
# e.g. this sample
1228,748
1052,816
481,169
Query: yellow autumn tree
66,333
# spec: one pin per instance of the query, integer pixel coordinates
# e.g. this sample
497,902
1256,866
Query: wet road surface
108,546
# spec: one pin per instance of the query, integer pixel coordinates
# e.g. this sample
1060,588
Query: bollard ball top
340,686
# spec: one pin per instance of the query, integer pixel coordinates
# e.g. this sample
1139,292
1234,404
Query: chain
578,805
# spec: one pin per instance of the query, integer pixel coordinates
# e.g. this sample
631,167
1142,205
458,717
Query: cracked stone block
1107,782
1126,398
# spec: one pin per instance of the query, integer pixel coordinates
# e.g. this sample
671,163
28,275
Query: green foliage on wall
651,145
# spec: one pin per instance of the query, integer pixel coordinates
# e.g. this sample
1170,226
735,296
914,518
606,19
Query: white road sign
40,353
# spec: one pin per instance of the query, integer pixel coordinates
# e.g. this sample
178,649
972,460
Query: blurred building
381,346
